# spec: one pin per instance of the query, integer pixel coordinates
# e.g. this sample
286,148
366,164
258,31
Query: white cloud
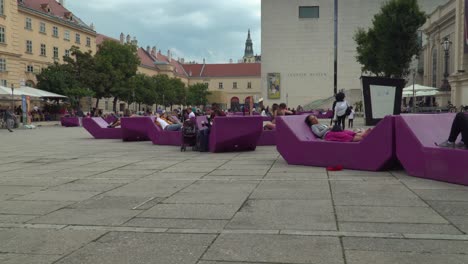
211,29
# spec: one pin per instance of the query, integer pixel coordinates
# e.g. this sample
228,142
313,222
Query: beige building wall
229,90
10,50
19,58
301,50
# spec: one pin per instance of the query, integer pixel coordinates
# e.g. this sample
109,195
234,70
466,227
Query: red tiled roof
223,70
178,67
100,39
56,10
145,58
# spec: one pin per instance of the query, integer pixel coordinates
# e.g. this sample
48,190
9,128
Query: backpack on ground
202,140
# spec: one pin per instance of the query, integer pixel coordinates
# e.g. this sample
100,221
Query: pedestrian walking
9,119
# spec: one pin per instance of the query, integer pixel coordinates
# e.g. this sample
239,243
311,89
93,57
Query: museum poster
274,85
466,26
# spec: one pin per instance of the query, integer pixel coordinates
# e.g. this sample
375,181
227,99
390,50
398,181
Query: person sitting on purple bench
334,133
459,126
166,124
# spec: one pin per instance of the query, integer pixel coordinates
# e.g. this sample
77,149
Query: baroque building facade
35,34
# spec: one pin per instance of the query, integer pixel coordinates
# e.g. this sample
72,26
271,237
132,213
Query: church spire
248,47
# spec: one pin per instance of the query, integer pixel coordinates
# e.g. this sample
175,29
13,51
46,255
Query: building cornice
56,19
440,18
223,77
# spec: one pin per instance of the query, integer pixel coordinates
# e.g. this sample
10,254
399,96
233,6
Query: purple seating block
268,138
162,137
237,133
70,121
135,128
416,136
97,127
299,146
110,119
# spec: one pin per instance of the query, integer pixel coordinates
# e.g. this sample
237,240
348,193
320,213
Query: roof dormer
69,16
46,7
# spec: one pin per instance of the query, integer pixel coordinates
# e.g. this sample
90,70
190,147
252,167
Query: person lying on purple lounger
334,133
459,126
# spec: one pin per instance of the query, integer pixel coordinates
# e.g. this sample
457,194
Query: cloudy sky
211,29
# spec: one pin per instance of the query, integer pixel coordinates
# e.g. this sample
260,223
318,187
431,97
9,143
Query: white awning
28,91
419,91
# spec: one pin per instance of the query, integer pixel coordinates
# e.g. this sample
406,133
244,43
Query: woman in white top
340,110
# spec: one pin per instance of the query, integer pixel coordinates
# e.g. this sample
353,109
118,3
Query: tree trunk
114,104
97,103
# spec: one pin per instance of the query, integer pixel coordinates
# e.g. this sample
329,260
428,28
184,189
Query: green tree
145,89
116,64
197,94
388,47
61,79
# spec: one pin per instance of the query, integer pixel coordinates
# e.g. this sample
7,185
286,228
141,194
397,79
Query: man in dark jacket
9,118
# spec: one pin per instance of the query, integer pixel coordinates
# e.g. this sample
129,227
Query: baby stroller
189,135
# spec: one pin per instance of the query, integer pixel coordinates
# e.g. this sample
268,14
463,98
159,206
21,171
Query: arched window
434,67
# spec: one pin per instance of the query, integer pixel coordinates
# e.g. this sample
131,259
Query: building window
309,12
234,85
55,32
66,35
30,68
2,35
207,85
43,50
434,68
28,46
88,42
42,27
67,53
220,85
77,38
4,83
3,67
2,8
56,53
28,23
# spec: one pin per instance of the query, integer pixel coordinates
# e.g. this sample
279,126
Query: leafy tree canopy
388,47
197,94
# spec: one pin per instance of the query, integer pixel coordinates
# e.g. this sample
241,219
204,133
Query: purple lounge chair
200,120
162,137
135,128
97,127
268,138
416,136
70,121
110,119
237,133
299,146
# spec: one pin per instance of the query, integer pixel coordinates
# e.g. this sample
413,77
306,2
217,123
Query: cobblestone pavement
67,198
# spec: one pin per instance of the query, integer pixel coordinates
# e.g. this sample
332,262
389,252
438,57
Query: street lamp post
414,91
446,44
12,97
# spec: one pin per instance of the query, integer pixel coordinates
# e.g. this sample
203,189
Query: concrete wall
301,50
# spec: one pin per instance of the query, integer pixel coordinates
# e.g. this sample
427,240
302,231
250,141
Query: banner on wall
274,85
466,26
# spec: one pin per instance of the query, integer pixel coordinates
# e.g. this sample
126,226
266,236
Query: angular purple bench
162,137
135,128
299,146
236,133
110,119
97,127
268,138
416,136
70,121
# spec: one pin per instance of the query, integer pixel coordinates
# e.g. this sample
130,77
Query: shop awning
420,91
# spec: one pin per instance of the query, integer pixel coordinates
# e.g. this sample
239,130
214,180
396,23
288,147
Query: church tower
248,53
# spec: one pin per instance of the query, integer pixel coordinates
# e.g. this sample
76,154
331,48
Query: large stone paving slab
292,190
124,248
102,217
27,259
44,241
359,257
50,195
275,248
389,214
30,207
192,211
150,188
285,214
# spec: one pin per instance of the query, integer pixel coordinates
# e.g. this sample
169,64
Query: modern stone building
308,51
36,33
